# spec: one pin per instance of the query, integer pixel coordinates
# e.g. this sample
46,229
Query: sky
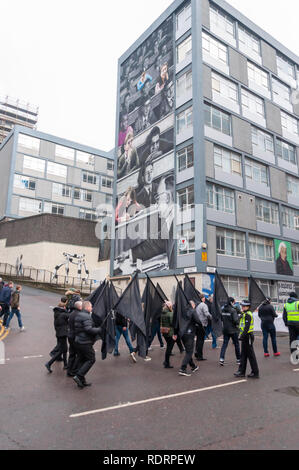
62,56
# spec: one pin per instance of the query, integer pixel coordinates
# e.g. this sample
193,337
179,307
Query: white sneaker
133,357
150,348
147,359
22,329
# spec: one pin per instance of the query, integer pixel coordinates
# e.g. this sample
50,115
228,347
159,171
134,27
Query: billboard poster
283,258
144,215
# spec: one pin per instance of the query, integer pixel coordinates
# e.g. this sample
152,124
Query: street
140,406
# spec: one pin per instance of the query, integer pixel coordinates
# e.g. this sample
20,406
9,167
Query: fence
42,276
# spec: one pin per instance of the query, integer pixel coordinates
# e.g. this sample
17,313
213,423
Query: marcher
15,308
52,353
167,331
73,296
291,318
209,328
156,331
204,316
5,299
230,320
72,364
121,329
247,338
85,337
61,317
188,340
267,315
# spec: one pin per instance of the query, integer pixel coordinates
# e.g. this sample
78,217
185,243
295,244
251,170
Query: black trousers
248,354
294,335
4,313
72,365
86,359
170,343
188,342
61,351
200,341
179,344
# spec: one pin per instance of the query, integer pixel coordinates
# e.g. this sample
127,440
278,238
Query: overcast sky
62,55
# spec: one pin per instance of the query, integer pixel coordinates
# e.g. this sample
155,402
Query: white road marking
32,357
296,370
150,400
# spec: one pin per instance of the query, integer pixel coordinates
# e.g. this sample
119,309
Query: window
86,158
230,243
290,218
248,40
261,249
30,205
286,151
222,21
293,186
56,169
289,124
23,182
62,190
186,233
281,92
35,164
225,87
227,161
185,158
53,208
269,288
258,76
82,195
186,198
220,199
86,214
110,165
107,182
214,48
252,103
28,142
217,119
262,140
183,18
236,286
267,212
184,50
90,178
295,254
184,84
285,66
184,120
64,152
256,172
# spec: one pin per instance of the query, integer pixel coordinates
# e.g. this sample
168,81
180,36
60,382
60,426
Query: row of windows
32,145
232,243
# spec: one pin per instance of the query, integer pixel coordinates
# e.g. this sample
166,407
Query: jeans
156,331
269,330
15,311
209,330
235,340
119,332
188,342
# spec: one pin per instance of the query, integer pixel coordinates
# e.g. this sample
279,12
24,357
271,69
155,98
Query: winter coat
230,320
85,332
71,324
61,318
204,314
15,299
5,295
267,314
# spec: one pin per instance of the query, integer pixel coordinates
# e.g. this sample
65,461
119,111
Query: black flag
256,295
220,298
161,292
191,292
103,316
153,305
96,293
129,306
182,310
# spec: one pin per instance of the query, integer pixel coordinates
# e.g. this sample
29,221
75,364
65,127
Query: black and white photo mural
144,215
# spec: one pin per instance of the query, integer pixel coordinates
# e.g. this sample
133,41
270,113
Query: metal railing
43,276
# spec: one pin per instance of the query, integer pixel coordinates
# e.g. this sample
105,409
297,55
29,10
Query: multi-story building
15,112
41,173
208,118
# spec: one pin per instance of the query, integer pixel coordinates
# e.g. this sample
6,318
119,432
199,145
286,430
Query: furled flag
129,306
182,310
161,292
220,298
153,305
102,316
256,295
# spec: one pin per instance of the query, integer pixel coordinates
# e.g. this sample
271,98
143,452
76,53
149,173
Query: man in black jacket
73,358
188,340
61,317
267,315
230,320
85,337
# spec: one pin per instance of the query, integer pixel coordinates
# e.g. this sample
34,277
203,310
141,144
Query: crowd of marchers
76,334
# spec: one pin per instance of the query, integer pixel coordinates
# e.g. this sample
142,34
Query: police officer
247,338
291,318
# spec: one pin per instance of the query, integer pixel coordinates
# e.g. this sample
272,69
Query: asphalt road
42,411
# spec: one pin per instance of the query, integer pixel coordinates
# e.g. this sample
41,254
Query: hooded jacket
61,318
267,314
291,300
230,320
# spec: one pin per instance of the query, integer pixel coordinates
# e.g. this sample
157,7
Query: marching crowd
76,334
10,304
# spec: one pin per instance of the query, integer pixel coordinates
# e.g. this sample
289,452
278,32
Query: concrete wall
242,139
245,210
269,57
238,66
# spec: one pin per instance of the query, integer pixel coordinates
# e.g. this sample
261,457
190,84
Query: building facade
41,173
16,112
208,119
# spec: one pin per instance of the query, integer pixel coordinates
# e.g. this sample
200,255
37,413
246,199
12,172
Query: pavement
140,406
